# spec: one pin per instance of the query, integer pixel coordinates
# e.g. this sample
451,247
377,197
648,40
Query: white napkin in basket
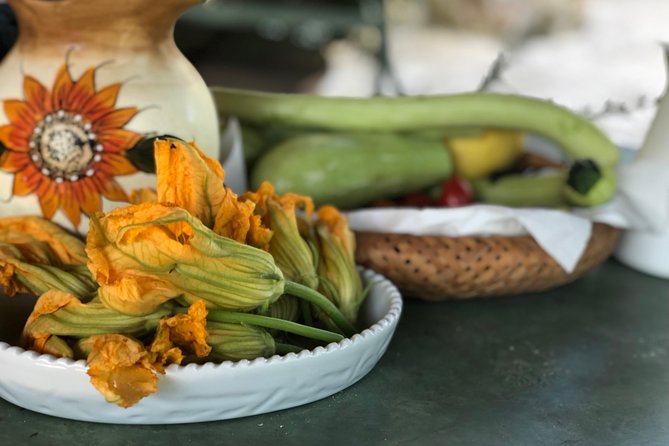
563,235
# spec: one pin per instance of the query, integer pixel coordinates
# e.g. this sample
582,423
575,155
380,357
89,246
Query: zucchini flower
239,341
147,254
340,280
121,369
41,241
57,313
286,308
187,178
37,255
290,251
182,331
17,275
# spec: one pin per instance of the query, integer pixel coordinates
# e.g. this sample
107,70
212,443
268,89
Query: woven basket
440,268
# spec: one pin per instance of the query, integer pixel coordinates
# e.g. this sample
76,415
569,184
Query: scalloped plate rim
383,327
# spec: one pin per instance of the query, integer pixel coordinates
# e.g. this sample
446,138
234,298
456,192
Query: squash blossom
57,313
185,331
41,241
187,178
286,307
340,280
290,251
37,255
121,369
239,341
17,275
144,255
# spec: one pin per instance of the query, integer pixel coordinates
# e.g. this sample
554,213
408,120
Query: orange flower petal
118,140
265,192
103,99
120,368
26,181
37,96
259,235
15,138
114,164
69,204
61,88
233,219
187,331
48,198
20,114
5,131
15,161
113,119
91,202
337,225
82,90
18,140
74,189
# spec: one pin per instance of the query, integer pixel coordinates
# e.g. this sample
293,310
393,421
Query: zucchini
523,190
578,137
350,170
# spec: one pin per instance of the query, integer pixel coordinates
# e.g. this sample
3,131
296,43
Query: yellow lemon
493,150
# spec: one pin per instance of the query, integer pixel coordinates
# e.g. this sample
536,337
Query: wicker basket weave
439,268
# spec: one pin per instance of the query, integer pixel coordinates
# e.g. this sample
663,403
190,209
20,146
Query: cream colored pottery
646,184
85,89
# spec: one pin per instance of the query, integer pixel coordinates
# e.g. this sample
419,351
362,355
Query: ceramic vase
645,183
85,90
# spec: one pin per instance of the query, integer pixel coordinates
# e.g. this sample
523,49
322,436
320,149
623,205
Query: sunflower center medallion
66,145
62,146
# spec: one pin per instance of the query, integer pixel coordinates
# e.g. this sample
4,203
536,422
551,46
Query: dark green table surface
587,364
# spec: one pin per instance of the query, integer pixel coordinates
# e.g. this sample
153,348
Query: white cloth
563,235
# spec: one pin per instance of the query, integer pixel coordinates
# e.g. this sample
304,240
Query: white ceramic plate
208,392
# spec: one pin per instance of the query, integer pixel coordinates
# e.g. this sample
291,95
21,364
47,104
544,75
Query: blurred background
602,58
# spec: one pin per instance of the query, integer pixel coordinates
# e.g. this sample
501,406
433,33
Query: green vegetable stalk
348,170
257,320
296,162
589,184
576,135
520,190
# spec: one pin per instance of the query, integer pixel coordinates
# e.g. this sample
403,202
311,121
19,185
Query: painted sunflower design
67,145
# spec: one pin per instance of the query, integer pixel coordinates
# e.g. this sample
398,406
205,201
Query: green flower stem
234,317
306,312
321,302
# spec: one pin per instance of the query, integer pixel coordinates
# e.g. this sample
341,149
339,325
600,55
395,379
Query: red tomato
456,192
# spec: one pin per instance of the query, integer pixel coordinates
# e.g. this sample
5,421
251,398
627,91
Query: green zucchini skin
578,137
520,190
351,170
